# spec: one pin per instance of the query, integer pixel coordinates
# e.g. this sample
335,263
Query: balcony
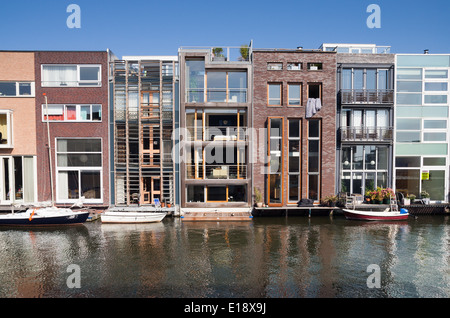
223,54
211,172
218,133
367,96
367,134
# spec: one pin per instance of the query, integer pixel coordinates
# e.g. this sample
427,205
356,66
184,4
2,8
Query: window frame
300,99
268,94
17,84
78,169
9,128
80,82
78,113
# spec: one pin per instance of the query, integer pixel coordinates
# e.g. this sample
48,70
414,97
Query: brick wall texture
327,115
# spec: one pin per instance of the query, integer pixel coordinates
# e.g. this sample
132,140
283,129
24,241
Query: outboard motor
403,211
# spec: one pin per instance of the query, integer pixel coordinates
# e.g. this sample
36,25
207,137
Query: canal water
297,257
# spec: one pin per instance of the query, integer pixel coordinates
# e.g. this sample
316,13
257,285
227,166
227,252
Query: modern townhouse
215,117
17,129
294,109
365,115
422,125
72,108
144,106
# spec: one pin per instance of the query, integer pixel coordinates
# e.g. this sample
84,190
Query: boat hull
132,217
375,215
44,218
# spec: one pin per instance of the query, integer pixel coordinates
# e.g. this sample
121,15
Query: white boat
390,215
132,217
47,216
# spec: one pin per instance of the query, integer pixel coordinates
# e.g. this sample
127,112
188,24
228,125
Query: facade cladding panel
79,181
315,73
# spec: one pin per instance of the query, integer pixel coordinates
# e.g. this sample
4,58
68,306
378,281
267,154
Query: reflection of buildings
294,100
215,113
17,128
421,122
365,117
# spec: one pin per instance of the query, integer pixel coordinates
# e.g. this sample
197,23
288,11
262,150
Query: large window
294,148
275,176
17,179
79,170
6,140
72,112
12,89
364,168
195,80
314,159
71,75
226,87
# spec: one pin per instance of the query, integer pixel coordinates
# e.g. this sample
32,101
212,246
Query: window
294,94
271,66
6,140
79,170
364,168
274,94
314,159
436,73
195,80
12,89
314,66
315,90
71,75
440,87
294,66
294,126
72,112
275,175
17,182
226,87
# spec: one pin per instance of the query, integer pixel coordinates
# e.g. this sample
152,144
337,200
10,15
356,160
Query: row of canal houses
204,130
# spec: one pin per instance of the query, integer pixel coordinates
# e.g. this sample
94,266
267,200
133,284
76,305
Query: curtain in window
56,75
28,179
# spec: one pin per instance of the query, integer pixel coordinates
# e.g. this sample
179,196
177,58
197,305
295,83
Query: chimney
425,51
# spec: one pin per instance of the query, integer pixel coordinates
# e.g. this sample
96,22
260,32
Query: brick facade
70,95
327,115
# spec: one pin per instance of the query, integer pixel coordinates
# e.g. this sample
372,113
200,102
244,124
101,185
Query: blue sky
137,27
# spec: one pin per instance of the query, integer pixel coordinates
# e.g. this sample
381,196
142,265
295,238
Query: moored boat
132,217
48,216
390,215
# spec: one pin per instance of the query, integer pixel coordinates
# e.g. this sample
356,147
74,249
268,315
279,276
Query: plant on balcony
218,54
411,197
258,198
244,50
388,194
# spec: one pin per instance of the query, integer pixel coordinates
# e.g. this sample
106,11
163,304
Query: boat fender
31,215
403,211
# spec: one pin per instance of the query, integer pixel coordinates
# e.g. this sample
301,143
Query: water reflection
269,257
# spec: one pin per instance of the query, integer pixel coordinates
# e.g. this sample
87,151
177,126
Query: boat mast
49,150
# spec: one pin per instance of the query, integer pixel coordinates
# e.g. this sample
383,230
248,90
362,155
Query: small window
271,66
314,66
11,89
294,66
294,94
5,129
274,94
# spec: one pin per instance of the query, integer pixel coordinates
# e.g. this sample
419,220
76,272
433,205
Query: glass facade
421,150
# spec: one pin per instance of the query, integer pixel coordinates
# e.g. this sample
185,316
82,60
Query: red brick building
294,107
76,87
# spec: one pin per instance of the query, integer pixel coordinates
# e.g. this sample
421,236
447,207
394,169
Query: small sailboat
132,217
52,215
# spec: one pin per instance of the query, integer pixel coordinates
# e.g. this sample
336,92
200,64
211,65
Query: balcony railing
217,95
223,54
229,172
218,133
384,134
367,96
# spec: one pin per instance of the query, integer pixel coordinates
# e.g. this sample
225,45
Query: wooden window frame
282,172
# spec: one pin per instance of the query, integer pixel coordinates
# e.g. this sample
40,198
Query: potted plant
388,194
218,54
330,200
411,197
244,50
406,200
258,198
425,196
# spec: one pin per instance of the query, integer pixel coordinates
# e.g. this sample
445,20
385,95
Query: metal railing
367,96
224,53
217,133
217,95
367,133
222,171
